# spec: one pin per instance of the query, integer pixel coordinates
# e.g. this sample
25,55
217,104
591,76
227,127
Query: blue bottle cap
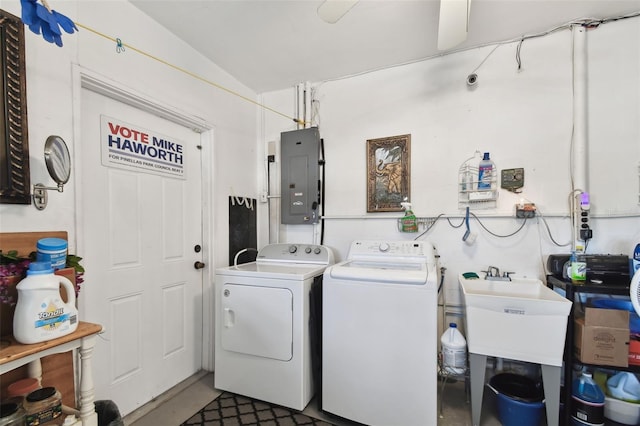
39,268
486,156
51,244
453,324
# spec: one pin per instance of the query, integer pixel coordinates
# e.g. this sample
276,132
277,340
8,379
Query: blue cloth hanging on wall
41,20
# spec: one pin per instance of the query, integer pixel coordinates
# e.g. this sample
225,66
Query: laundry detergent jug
40,313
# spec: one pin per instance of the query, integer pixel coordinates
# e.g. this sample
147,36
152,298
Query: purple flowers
41,19
13,268
7,273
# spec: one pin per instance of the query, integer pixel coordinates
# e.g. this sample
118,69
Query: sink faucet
493,274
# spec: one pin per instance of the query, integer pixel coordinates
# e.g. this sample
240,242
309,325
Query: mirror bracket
40,196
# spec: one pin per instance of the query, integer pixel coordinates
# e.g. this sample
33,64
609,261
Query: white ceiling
275,44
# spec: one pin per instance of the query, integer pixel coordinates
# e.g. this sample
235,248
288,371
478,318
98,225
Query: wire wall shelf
469,195
422,222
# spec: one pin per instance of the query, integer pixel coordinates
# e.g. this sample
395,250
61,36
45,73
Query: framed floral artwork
388,173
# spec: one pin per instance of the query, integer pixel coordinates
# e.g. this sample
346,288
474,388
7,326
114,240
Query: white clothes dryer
262,337
379,345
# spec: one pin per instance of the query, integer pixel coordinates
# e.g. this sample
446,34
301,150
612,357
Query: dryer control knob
307,250
293,249
384,247
317,250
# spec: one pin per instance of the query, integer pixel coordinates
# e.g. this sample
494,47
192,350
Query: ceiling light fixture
453,25
331,11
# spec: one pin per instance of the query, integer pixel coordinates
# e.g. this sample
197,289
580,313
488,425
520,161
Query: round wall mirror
58,161
56,156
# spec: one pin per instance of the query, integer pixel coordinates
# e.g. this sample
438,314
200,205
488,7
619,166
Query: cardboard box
602,337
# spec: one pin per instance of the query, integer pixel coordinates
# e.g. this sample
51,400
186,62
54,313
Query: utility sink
521,319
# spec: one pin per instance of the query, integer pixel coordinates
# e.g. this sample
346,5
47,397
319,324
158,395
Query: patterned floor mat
230,409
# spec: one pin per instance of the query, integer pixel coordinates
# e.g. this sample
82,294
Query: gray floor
181,402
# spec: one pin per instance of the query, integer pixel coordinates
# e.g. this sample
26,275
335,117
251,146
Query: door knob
198,265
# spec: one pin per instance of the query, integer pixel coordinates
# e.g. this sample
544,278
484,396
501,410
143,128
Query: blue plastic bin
520,400
512,412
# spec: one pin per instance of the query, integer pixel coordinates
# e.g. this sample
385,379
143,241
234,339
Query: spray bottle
409,222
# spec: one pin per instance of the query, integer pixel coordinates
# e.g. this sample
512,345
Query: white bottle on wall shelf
486,170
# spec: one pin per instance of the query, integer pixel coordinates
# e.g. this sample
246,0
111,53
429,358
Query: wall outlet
526,210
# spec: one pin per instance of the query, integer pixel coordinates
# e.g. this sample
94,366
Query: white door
141,234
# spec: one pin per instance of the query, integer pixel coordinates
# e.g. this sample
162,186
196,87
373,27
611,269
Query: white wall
50,99
524,118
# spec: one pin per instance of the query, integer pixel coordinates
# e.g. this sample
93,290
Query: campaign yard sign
127,146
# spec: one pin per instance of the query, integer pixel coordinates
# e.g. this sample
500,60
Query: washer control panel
392,251
389,248
296,253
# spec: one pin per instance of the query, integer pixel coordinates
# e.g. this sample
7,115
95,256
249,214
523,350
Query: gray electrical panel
299,176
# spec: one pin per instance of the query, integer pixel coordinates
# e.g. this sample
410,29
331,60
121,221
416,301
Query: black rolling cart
571,290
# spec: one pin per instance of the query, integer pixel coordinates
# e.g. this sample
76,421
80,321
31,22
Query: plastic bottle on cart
486,169
587,407
578,268
454,350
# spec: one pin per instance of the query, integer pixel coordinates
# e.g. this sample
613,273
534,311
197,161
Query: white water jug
454,350
40,313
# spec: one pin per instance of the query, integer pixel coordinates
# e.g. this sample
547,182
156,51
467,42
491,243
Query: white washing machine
262,338
379,345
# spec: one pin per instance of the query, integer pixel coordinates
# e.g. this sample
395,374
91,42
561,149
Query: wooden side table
16,355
